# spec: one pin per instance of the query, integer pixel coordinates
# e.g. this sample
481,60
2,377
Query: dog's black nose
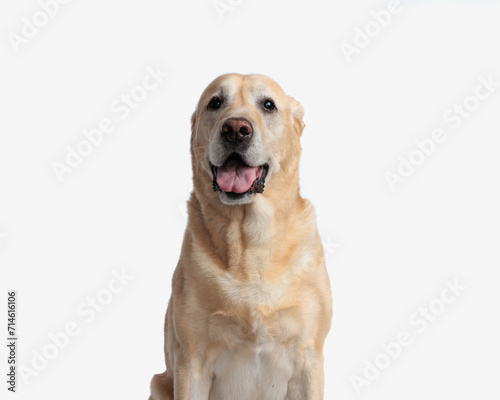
236,130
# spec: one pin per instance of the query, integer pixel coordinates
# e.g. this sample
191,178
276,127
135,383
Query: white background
388,253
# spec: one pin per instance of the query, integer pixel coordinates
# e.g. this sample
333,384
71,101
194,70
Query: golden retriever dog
251,303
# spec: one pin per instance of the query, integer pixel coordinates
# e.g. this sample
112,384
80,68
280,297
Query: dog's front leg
308,383
191,380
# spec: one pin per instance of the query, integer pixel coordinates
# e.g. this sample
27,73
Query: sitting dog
251,303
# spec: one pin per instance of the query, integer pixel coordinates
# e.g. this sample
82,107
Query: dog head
245,140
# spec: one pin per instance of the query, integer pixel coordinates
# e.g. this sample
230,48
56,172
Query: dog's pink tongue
234,177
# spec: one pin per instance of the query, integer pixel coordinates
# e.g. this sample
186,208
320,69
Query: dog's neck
247,239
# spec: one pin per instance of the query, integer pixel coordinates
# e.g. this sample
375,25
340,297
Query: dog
251,303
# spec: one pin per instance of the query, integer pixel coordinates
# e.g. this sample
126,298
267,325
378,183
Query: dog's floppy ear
193,121
193,134
297,115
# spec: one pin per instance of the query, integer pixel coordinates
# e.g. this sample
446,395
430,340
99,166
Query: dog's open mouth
236,178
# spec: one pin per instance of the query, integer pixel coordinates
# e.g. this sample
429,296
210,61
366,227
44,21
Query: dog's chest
253,359
259,375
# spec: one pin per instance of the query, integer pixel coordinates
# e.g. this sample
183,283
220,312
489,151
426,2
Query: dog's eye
215,103
268,105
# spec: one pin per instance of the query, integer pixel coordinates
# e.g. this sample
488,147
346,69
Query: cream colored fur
251,303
